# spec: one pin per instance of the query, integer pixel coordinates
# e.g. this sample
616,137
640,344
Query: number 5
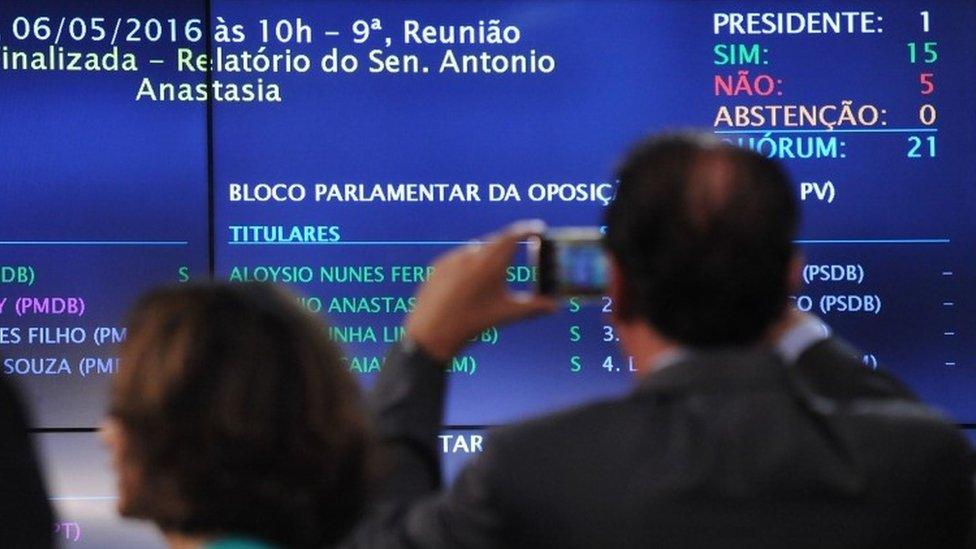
925,79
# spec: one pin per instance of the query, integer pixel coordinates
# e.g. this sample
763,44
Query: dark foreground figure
747,427
26,520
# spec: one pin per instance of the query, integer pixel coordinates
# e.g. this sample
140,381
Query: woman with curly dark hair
234,422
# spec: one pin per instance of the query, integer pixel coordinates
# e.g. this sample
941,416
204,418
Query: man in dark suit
26,520
739,432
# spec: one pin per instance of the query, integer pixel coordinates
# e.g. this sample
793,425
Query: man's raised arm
465,295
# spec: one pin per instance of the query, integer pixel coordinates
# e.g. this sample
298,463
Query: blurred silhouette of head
232,413
702,233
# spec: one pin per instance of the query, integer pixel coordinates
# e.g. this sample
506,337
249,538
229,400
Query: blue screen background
626,69
84,162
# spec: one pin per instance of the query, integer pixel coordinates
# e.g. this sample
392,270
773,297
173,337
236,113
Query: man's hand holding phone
467,293
570,262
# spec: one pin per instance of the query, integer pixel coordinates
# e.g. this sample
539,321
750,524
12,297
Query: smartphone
570,262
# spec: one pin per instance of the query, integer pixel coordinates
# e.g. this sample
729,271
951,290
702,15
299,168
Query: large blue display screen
338,147
858,102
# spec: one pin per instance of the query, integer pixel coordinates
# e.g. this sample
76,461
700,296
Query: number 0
927,114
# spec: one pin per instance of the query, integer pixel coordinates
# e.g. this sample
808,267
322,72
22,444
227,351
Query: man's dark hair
702,232
239,418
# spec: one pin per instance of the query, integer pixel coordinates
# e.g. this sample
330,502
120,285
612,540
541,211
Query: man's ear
794,273
617,291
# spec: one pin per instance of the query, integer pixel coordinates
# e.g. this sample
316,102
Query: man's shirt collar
804,334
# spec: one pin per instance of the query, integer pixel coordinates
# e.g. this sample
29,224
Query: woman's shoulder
239,543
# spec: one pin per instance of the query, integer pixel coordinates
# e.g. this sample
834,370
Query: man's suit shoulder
565,426
570,443
888,423
834,369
